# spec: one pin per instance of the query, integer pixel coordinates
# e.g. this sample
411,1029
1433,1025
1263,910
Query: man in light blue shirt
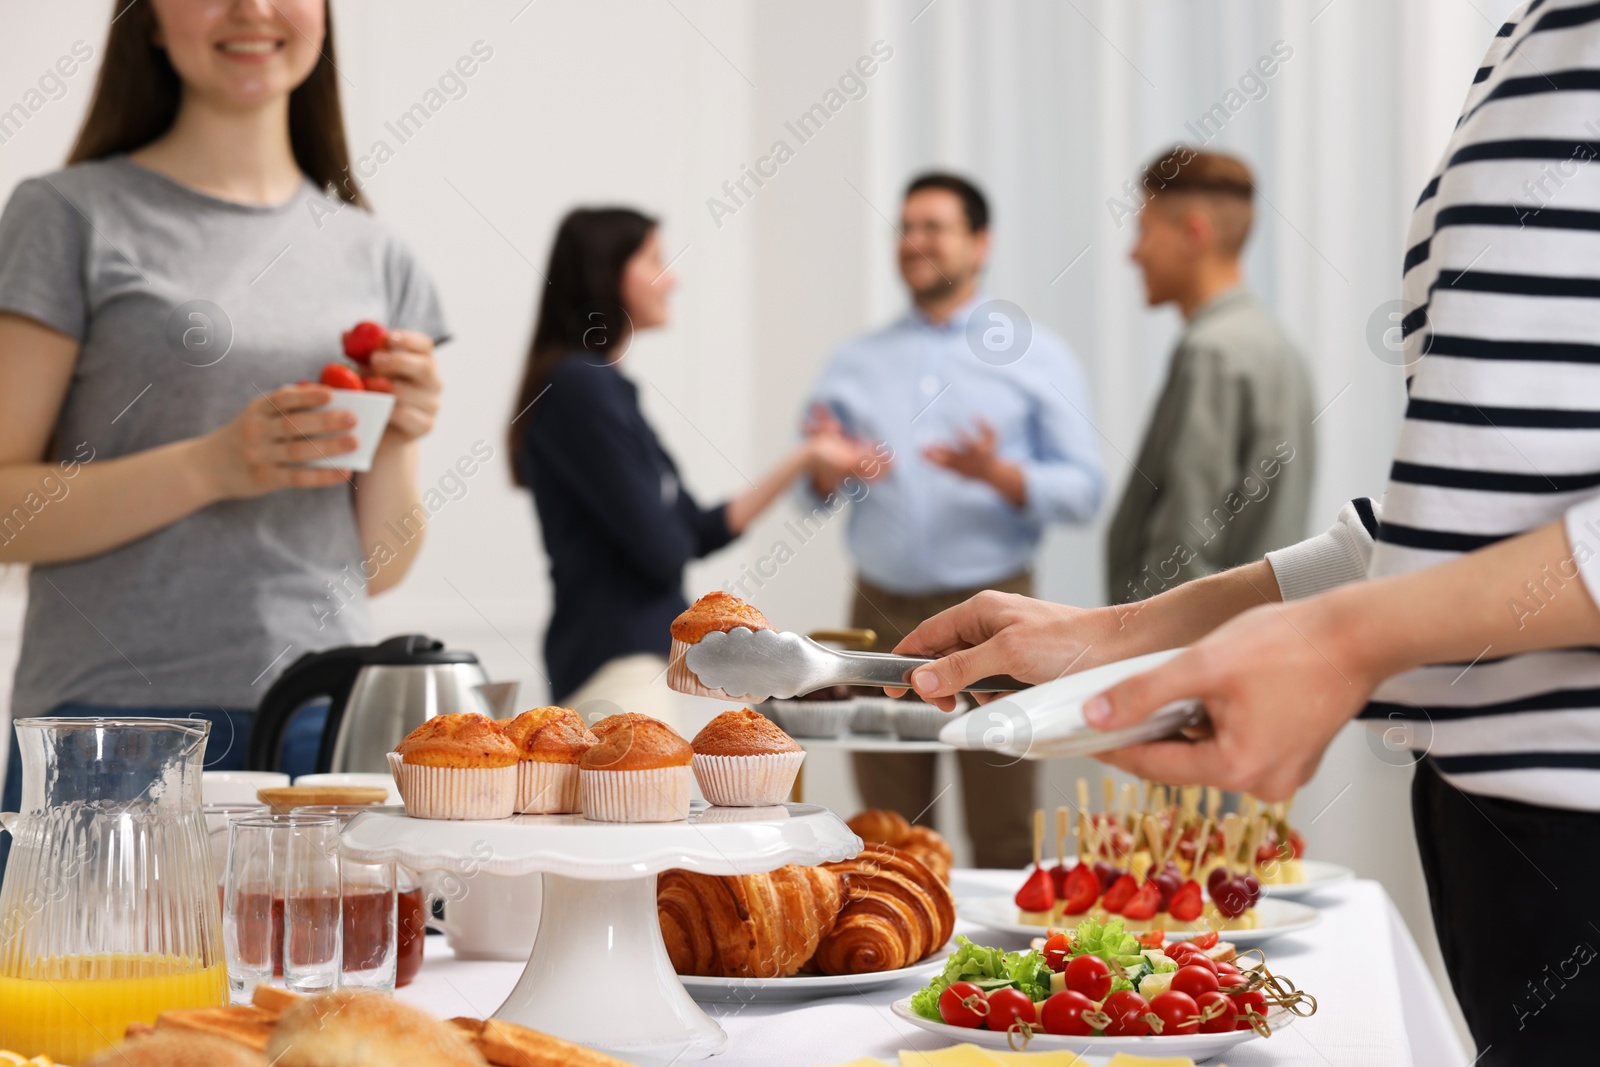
985,416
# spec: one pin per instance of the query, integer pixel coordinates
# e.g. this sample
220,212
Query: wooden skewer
1038,835
1213,802
1109,786
1083,837
1083,795
1201,847
1158,850
1061,836
1232,827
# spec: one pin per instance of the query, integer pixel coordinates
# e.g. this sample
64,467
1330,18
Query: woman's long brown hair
137,93
581,311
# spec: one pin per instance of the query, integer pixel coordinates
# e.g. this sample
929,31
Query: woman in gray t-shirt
159,297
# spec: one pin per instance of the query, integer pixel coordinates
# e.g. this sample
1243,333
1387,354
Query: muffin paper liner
455,792
815,718
683,680
547,788
659,794
917,722
747,781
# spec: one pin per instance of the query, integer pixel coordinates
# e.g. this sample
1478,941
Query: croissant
890,828
746,926
895,913
880,825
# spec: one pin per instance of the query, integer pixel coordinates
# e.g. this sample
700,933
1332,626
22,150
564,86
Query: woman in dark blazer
618,524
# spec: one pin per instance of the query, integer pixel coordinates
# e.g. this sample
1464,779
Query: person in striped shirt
1463,606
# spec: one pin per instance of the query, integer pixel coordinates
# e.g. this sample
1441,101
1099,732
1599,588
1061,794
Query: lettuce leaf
991,968
1110,941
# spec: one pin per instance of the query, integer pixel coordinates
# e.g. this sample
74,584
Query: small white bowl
372,417
237,787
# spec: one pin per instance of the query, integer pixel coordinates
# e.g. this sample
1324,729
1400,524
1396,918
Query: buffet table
1378,1003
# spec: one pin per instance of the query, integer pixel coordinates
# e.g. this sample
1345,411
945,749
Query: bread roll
357,1029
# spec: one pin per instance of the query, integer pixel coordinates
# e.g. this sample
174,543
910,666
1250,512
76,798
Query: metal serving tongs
757,665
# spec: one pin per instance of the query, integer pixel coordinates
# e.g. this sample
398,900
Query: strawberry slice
1082,889
1144,902
1038,893
1297,844
1121,891
1058,879
339,376
1185,905
377,383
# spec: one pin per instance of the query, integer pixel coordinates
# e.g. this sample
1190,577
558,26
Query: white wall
1051,106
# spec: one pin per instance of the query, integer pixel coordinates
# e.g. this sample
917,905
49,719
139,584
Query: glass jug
108,911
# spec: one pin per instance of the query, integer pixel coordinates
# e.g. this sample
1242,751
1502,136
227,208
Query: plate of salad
800,986
1098,989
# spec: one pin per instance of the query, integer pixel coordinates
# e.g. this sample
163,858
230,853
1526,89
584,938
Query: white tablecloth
1377,1003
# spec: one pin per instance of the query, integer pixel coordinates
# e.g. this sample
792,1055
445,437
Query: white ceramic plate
1320,874
1198,1047
1046,721
1275,918
805,986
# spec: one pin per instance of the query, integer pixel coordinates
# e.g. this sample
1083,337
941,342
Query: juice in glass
74,1006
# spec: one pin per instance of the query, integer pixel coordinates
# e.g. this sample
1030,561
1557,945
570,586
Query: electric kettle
378,694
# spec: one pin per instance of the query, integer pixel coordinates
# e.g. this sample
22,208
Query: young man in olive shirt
1225,470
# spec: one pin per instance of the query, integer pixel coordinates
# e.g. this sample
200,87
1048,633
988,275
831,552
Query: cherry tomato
1008,1006
1251,1003
339,376
1228,974
1180,951
1056,950
1222,1020
1153,938
1130,1024
1124,1001
1089,975
1195,959
1207,940
1194,980
963,1004
377,383
1177,1011
1063,1014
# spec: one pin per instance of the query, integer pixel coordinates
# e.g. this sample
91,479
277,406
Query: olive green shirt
1225,470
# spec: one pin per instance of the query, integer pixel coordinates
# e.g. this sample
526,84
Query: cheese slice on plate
973,1056
1122,1059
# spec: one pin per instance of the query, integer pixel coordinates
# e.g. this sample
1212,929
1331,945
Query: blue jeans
226,747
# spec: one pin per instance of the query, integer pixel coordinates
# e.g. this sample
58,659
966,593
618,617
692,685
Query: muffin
639,771
549,742
743,760
456,767
716,612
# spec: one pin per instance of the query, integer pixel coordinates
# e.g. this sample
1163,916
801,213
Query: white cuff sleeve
1332,559
1583,537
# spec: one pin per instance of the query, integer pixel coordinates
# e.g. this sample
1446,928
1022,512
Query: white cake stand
599,972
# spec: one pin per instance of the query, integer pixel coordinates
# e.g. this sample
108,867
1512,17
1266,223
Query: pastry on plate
891,828
716,612
746,926
456,767
742,759
549,742
639,771
895,913
356,1029
509,1045
174,1048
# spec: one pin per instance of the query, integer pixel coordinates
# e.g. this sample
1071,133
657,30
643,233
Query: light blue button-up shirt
923,528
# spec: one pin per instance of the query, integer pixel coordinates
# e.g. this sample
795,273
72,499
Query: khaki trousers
998,796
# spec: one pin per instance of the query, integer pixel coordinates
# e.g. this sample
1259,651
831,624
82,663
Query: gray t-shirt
187,307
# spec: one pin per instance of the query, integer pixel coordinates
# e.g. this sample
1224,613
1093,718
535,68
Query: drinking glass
375,896
282,878
313,907
218,818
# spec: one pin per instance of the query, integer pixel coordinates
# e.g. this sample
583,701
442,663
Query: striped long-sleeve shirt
1502,428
